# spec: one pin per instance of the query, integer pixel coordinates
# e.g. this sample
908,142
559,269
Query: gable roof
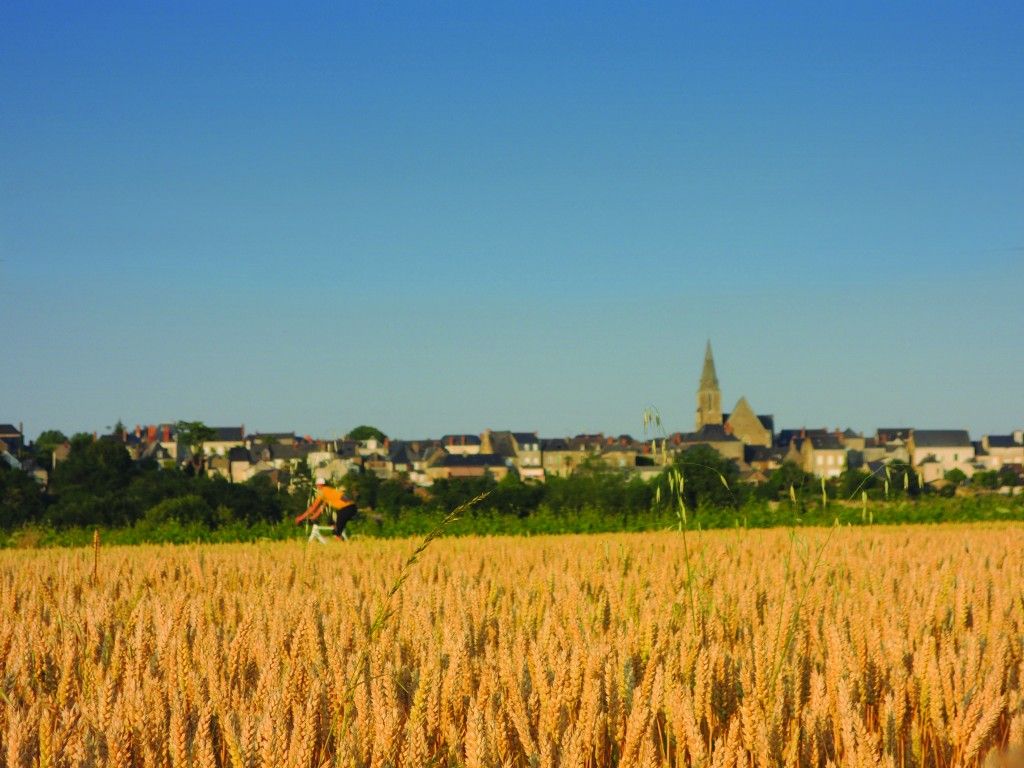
9,430
525,438
941,438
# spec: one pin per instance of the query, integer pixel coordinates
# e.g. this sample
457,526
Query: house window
820,459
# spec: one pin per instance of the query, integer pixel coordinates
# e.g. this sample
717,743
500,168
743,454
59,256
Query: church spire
708,377
709,396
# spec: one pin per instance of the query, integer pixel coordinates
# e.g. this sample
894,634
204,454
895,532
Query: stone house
223,440
450,466
712,435
559,457
522,449
996,451
934,452
823,455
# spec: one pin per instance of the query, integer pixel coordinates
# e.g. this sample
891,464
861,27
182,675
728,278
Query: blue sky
443,217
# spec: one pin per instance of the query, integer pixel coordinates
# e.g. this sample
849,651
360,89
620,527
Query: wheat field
850,647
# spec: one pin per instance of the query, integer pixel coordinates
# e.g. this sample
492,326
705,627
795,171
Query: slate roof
941,438
825,442
271,436
1002,441
9,430
227,434
472,460
587,441
709,433
281,451
767,421
403,452
238,453
888,434
786,436
554,444
525,438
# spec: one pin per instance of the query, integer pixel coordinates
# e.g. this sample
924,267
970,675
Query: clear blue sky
437,217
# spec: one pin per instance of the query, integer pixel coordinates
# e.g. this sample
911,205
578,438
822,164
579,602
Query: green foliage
366,432
1008,478
988,479
709,480
50,439
193,434
45,445
789,481
956,477
182,509
99,485
21,499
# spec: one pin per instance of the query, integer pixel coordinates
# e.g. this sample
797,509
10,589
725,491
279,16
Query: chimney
151,433
803,432
138,431
167,433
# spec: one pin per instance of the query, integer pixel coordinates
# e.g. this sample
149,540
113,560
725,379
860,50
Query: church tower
709,396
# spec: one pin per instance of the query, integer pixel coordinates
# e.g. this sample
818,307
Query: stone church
742,423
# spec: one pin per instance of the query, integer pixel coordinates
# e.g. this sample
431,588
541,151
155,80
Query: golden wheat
851,647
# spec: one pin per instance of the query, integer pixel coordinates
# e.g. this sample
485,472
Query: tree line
99,484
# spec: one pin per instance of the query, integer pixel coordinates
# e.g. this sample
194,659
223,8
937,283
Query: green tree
45,445
21,499
366,432
789,481
853,481
362,488
956,477
49,439
193,434
89,486
1008,477
709,479
987,479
